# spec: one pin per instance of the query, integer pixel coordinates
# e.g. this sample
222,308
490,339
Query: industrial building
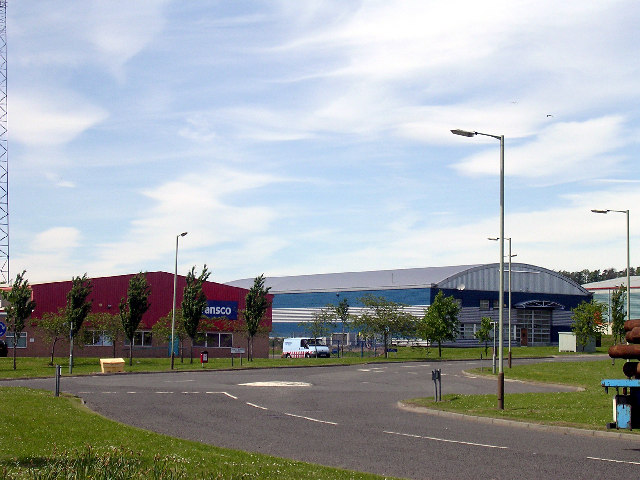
224,302
541,299
602,292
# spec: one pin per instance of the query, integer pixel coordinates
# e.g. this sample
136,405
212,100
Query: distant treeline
588,276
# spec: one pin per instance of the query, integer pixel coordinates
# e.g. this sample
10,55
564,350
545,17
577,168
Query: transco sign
221,309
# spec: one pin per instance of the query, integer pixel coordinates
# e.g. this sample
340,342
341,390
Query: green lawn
42,432
39,367
589,409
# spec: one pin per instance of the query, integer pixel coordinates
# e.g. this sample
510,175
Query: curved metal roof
524,278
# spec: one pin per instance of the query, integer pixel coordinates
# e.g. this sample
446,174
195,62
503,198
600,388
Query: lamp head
183,234
464,133
595,210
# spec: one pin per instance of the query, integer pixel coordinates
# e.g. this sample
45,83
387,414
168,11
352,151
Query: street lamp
628,259
173,311
466,133
509,302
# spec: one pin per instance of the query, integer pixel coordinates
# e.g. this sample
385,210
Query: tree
384,317
321,324
133,308
55,328
587,321
162,329
77,309
341,311
256,305
194,302
110,324
618,298
484,332
440,321
19,306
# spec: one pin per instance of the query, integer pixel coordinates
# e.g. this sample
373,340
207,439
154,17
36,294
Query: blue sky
308,137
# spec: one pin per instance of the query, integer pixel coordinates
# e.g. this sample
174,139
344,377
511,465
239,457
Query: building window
484,304
97,338
140,339
496,304
214,340
22,340
467,330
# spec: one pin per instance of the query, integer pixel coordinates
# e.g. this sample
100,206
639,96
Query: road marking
190,392
311,419
256,406
614,461
178,381
132,392
109,392
275,384
446,440
164,392
224,393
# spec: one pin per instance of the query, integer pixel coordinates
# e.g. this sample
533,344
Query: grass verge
589,409
48,437
28,367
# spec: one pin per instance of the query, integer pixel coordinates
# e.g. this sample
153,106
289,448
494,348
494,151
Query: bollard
58,371
436,376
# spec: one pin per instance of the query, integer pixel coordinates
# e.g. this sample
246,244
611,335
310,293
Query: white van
299,347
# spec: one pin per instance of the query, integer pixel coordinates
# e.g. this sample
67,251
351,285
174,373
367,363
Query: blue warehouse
541,299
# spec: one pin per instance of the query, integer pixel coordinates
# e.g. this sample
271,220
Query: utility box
112,365
567,342
204,357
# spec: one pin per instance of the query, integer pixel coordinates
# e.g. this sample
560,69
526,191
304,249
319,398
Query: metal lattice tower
4,153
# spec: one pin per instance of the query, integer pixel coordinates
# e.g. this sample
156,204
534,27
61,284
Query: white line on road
190,392
256,406
446,440
132,392
613,461
311,419
164,392
224,393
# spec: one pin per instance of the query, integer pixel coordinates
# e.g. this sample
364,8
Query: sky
313,137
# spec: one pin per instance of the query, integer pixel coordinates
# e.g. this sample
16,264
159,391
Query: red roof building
222,333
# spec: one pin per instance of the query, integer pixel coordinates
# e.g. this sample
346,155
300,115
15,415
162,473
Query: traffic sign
3,329
237,350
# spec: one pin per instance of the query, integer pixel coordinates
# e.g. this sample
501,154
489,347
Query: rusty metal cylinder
633,336
631,352
631,324
631,369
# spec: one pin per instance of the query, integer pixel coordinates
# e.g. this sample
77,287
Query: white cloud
562,152
70,34
40,120
56,239
201,204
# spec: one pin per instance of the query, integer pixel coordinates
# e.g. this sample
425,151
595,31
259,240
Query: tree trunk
113,344
15,343
439,349
53,347
191,352
131,352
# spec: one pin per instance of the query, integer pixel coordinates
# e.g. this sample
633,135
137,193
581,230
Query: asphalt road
349,417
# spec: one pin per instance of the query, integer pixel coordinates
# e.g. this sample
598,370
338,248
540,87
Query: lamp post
509,301
466,133
628,259
173,310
